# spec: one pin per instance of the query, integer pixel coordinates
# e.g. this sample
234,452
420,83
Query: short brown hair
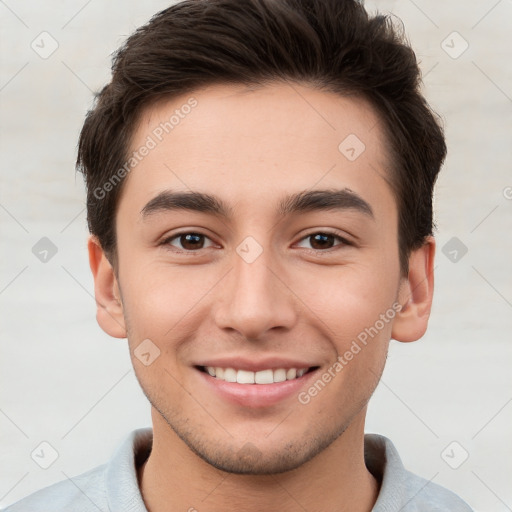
332,45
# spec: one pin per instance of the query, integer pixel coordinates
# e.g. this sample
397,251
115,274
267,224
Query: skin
298,299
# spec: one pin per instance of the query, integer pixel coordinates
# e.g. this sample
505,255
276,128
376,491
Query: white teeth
230,375
244,377
280,375
264,377
261,377
291,374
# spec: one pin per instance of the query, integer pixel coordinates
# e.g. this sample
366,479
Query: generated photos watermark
356,347
151,142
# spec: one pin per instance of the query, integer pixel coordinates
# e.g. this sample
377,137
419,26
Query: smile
255,384
267,376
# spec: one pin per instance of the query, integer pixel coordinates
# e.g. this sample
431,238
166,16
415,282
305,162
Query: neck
176,479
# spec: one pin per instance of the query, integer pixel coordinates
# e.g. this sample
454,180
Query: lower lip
256,395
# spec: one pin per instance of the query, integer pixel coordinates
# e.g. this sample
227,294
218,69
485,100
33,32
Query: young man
260,177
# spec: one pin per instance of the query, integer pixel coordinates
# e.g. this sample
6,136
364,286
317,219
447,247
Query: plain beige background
65,382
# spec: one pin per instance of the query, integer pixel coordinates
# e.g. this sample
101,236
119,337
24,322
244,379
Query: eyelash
344,241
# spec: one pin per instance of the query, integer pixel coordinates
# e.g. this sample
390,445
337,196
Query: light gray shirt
113,487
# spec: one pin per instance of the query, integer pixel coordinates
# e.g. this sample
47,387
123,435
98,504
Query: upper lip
254,365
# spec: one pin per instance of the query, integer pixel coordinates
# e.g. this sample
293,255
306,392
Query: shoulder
401,489
82,493
423,495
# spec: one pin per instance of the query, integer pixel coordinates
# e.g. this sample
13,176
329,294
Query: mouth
259,383
261,377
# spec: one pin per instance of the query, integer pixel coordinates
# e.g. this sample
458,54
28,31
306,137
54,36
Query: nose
255,298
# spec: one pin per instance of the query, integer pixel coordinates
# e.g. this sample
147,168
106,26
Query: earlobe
109,312
415,296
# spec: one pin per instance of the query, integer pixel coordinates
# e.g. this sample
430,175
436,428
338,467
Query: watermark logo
45,45
151,142
454,45
44,455
454,249
147,352
44,250
352,147
249,452
455,455
249,249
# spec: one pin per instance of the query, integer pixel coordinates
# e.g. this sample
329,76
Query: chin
250,457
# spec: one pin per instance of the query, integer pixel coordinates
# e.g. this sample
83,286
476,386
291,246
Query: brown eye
324,240
189,241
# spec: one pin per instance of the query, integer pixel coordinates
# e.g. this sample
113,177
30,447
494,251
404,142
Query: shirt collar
123,492
384,463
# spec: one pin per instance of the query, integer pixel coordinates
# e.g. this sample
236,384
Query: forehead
236,142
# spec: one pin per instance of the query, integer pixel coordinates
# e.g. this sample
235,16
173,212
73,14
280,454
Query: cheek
353,308
162,301
349,299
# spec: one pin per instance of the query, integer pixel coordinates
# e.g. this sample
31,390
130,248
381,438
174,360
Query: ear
109,313
415,294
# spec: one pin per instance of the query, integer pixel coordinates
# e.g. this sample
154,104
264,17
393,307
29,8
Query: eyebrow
300,202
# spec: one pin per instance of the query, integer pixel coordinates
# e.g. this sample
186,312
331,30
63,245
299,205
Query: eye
324,240
189,241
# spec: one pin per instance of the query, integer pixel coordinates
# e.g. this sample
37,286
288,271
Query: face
271,275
